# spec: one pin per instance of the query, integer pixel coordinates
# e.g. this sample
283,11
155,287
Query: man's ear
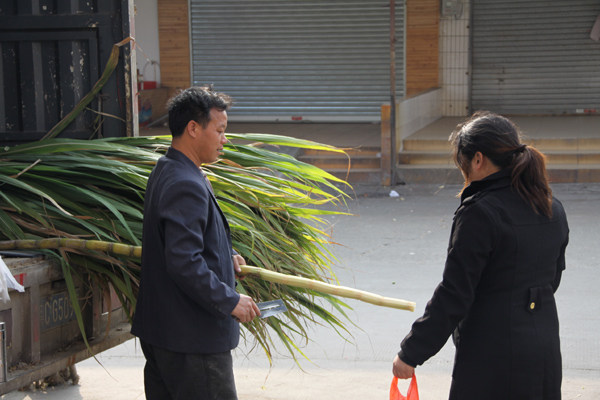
192,128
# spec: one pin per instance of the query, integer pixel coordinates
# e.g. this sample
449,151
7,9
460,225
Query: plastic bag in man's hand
412,394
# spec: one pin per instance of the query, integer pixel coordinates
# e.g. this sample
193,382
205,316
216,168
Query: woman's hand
402,370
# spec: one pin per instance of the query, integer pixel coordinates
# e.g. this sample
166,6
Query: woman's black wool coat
496,297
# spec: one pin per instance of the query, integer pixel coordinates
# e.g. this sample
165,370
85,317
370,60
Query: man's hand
237,261
246,309
402,370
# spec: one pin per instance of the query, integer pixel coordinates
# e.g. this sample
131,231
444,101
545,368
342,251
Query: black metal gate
52,53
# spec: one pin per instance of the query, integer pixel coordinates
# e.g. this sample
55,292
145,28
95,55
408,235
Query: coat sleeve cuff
230,305
406,360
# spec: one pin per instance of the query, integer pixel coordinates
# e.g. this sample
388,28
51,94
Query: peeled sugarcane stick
341,291
247,270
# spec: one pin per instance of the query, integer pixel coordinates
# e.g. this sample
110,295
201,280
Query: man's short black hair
194,104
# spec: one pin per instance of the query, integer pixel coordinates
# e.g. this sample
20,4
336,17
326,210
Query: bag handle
413,390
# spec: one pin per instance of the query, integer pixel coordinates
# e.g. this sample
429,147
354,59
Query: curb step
360,151
327,162
357,175
364,163
430,161
435,173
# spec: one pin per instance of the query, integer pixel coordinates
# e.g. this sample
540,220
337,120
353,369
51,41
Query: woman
504,263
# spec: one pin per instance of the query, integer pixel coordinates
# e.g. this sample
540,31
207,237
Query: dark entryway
52,53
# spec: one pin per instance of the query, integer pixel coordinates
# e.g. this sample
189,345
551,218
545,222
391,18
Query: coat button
532,305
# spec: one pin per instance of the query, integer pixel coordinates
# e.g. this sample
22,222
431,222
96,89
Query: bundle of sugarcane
94,190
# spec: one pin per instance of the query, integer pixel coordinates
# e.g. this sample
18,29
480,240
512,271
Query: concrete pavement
394,247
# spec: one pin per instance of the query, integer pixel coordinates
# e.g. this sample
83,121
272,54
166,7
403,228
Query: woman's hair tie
520,149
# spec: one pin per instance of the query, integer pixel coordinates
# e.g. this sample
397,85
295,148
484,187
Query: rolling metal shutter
286,59
535,56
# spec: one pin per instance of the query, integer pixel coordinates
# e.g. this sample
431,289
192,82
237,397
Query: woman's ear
478,158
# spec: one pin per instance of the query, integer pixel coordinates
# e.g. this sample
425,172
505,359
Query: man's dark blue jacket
187,288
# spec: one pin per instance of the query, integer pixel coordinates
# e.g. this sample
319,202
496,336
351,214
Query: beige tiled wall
454,62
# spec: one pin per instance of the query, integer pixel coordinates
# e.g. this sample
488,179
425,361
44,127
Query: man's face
210,140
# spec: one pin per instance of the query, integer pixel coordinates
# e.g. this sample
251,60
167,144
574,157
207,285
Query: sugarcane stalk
79,244
247,270
340,291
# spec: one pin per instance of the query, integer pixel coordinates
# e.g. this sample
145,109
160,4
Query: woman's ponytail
529,178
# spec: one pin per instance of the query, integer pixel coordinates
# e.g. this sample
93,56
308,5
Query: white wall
416,112
146,36
454,63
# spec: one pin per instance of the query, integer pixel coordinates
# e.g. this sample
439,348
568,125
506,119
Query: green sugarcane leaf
15,182
72,290
277,140
108,204
9,228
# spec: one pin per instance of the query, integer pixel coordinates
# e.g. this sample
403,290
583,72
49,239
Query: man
188,312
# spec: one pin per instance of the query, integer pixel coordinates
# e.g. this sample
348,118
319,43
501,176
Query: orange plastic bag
412,394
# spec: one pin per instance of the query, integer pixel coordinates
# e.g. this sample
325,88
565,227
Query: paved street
394,247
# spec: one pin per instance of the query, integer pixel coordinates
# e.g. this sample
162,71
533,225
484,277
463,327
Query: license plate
55,310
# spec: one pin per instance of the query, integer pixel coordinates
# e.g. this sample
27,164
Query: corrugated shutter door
535,57
319,60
